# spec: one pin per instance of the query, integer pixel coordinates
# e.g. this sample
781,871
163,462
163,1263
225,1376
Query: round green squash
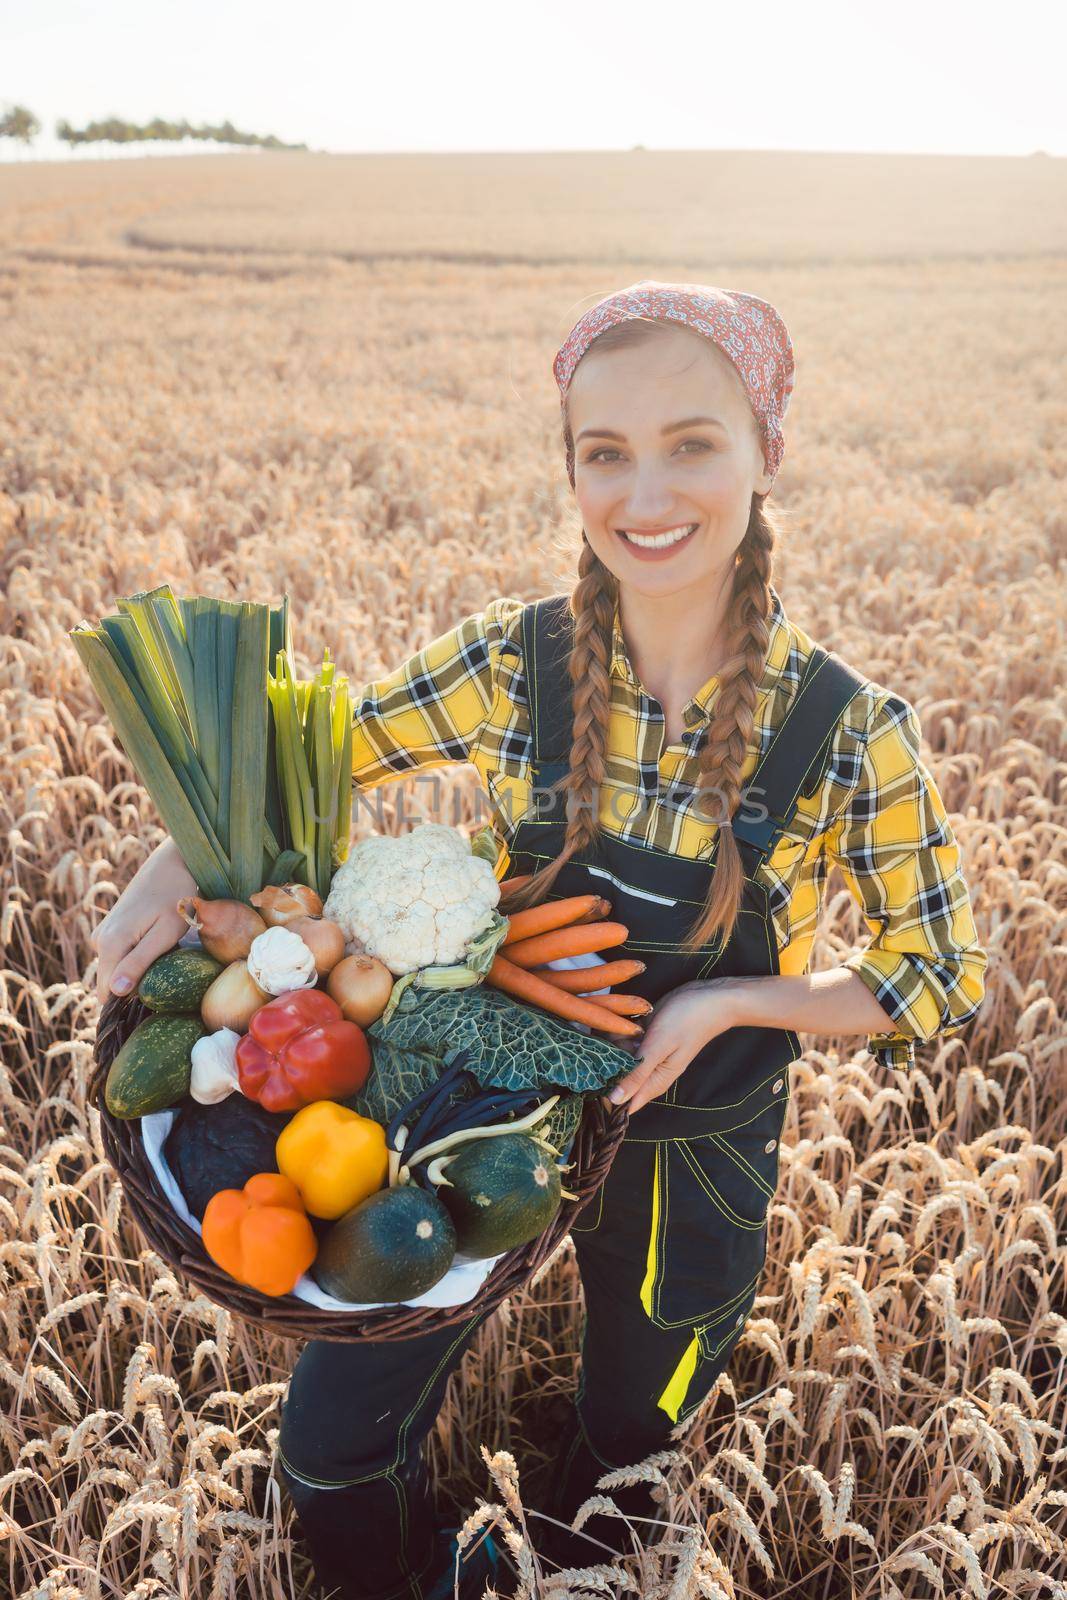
393,1246
153,1069
500,1193
178,981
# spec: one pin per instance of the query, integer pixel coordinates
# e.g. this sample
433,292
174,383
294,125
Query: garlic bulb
214,1074
279,960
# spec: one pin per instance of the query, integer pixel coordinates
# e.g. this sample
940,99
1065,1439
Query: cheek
594,500
717,490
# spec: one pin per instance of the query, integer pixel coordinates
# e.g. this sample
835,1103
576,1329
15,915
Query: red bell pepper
299,1048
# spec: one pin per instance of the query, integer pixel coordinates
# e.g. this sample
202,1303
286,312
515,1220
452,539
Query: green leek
251,772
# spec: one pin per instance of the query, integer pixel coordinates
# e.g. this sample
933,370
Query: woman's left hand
682,1024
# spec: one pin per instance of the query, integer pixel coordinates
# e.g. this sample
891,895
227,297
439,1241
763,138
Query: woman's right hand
143,923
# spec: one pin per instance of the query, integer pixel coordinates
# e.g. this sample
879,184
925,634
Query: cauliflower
416,901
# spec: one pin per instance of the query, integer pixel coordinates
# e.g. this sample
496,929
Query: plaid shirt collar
698,710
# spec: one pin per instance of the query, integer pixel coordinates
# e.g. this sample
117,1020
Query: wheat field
332,376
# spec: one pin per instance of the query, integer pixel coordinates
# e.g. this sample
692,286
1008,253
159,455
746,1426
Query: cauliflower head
416,901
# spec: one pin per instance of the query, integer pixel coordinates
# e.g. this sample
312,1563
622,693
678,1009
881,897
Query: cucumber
153,1068
393,1246
178,981
499,1192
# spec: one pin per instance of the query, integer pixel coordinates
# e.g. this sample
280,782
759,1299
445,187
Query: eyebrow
672,427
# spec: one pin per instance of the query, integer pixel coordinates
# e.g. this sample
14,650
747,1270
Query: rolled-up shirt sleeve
432,709
899,856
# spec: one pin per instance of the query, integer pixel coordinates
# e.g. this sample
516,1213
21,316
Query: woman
666,736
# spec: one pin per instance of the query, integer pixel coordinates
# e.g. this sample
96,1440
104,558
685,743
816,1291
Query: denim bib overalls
670,1250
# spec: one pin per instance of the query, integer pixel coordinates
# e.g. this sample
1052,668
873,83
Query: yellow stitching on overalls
597,1202
732,1105
728,1307
716,954
547,822
411,1578
744,1166
713,1194
712,1319
370,1477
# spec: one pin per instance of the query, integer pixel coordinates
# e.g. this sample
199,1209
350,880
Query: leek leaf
249,740
199,850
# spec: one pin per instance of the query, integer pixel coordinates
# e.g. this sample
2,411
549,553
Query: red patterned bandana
747,330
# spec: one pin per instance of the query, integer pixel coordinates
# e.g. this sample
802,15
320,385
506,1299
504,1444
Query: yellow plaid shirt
877,813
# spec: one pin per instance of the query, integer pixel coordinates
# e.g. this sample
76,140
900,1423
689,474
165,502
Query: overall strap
547,636
796,752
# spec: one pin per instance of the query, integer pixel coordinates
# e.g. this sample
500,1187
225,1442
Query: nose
651,496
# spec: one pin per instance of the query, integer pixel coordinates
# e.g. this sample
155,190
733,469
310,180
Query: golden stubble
380,437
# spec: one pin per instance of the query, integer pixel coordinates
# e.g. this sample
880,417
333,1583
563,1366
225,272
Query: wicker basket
598,1138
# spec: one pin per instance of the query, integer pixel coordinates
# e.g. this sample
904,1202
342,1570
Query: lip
650,533
665,552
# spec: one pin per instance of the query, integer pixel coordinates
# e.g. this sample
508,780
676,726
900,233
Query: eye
606,450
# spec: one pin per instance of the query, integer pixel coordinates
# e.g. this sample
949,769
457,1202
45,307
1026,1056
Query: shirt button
770,1145
778,1085
739,1321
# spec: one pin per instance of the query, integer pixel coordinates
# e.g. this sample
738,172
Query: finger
659,1079
111,945
627,1088
162,936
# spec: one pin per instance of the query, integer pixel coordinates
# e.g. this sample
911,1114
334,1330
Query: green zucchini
153,1068
178,981
499,1192
393,1246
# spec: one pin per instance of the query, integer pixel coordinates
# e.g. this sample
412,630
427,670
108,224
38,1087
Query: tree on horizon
19,122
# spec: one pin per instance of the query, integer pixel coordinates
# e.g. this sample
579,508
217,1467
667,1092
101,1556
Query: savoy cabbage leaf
512,1046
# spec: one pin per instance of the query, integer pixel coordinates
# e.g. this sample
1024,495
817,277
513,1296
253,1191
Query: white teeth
658,541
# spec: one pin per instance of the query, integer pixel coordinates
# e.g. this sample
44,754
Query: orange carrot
586,939
623,1005
576,980
549,915
535,991
599,913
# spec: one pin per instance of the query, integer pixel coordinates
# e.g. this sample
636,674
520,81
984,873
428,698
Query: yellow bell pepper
335,1157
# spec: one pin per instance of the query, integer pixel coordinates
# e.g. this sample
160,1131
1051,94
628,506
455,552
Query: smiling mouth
658,541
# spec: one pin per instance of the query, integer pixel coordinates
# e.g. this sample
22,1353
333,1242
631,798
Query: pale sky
967,76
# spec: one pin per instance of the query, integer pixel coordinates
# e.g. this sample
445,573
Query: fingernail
617,1095
121,984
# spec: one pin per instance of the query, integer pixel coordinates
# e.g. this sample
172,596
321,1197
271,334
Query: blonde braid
592,606
723,756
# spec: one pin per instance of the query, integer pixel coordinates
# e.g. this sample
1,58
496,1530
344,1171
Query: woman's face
651,479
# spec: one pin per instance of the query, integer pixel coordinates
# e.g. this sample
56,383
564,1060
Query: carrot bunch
574,926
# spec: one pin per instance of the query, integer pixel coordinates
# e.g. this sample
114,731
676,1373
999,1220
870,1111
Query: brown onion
233,999
226,927
361,985
279,906
323,938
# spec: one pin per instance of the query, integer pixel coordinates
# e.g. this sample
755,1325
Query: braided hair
722,756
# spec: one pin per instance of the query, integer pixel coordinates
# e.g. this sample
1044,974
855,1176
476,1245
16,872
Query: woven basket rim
595,1144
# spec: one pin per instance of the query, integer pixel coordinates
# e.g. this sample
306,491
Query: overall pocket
588,1220
708,1232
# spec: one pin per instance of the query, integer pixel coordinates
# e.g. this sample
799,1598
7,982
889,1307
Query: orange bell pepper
260,1234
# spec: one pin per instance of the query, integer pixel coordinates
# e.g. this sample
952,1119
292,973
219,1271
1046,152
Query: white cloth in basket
460,1283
